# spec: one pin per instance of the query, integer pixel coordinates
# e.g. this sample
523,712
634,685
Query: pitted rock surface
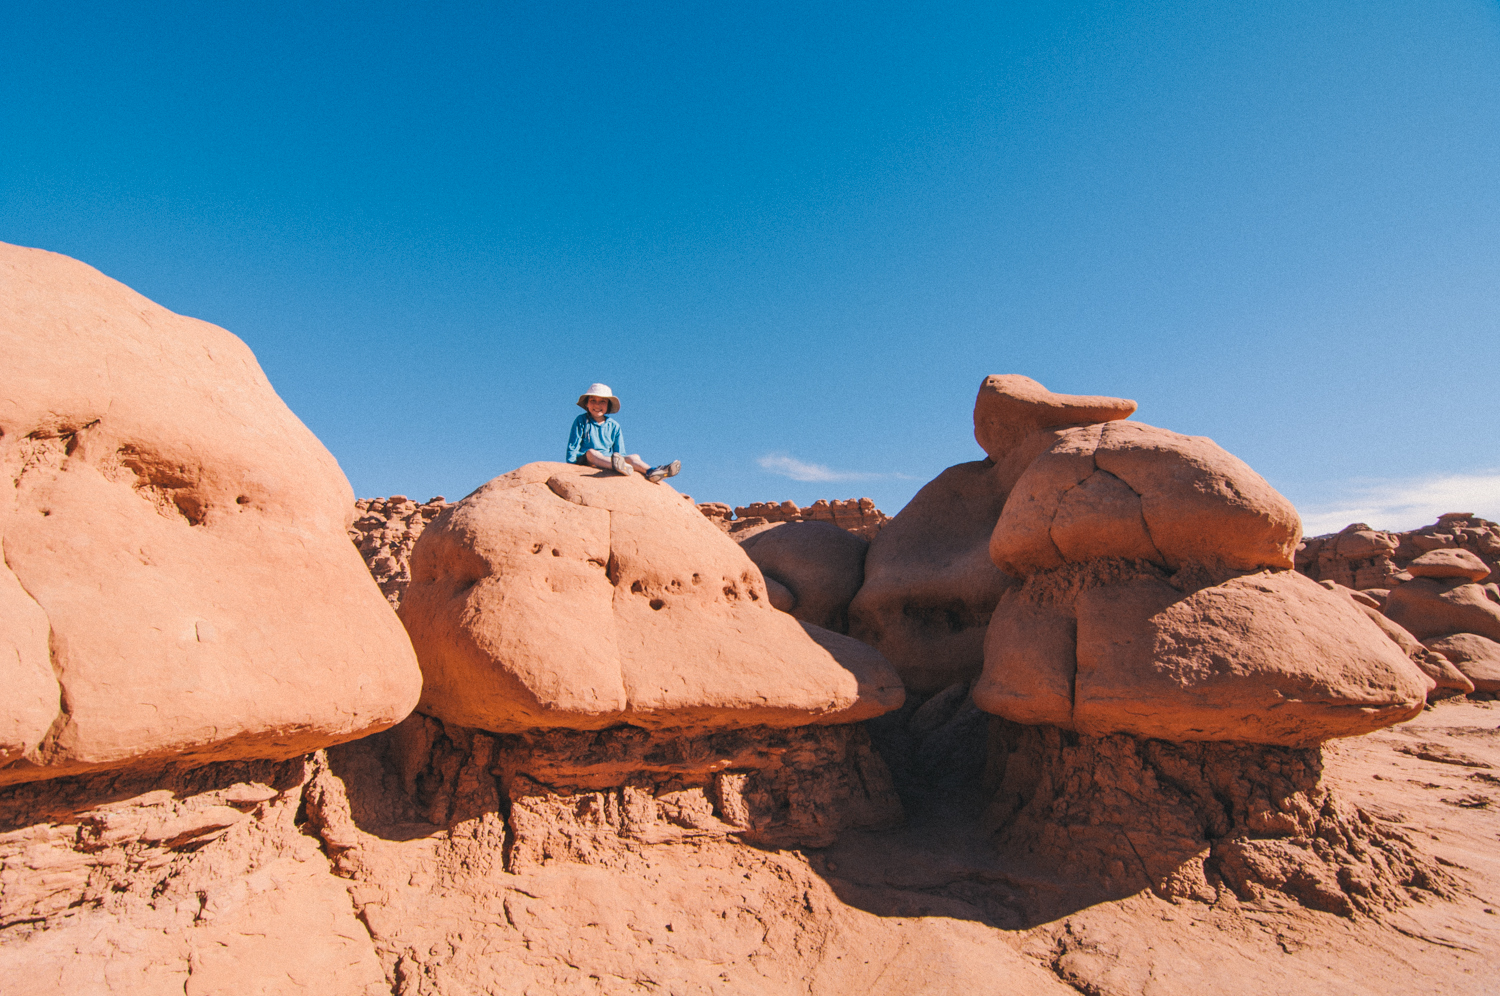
561,596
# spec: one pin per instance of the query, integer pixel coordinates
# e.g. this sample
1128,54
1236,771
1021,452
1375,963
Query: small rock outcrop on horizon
1437,585
854,515
384,531
177,582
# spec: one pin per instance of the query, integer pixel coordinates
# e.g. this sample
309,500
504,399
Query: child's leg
597,459
635,461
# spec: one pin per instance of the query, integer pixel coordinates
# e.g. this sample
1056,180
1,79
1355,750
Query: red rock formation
176,581
1447,679
1363,558
1437,582
559,596
1133,491
384,531
1269,657
1156,600
820,566
856,515
434,859
1194,821
1011,407
930,586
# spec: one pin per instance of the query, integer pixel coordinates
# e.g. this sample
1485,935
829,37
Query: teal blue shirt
607,437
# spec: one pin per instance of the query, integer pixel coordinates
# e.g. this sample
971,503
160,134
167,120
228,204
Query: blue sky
795,240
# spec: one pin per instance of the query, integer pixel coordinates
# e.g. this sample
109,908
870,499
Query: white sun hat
599,391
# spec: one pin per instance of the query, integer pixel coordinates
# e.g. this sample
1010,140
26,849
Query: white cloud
1405,504
784,465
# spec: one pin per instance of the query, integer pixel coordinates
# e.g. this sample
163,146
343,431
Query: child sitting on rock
598,441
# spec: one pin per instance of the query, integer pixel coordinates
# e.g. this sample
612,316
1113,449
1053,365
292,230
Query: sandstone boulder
780,595
1429,607
1030,661
1449,563
1268,658
1447,679
31,692
1357,543
176,538
561,596
1133,491
821,565
1476,656
929,586
1010,407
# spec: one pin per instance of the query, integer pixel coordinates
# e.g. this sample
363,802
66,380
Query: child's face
597,407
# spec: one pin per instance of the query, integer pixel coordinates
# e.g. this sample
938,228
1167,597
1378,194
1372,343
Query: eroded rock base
576,795
196,880
1191,820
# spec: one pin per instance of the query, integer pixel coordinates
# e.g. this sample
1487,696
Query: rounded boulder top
563,596
177,582
1134,491
1449,562
1010,407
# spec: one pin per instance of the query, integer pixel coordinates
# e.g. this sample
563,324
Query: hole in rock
657,603
556,552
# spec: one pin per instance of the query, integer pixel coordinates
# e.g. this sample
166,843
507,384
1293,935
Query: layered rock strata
199,880
581,795
178,584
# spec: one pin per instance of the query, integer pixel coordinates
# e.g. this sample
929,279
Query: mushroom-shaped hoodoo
562,596
1157,601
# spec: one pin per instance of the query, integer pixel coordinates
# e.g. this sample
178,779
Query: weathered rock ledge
1192,821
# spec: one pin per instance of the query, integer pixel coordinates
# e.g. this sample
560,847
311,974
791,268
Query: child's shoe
657,474
617,461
